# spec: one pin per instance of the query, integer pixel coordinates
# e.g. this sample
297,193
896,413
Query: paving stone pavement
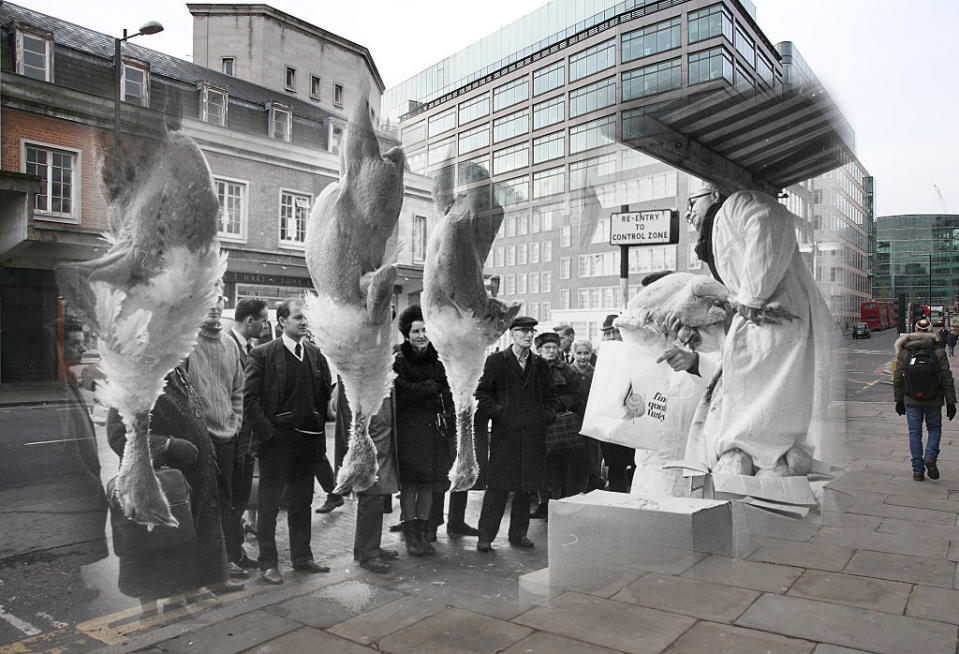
875,573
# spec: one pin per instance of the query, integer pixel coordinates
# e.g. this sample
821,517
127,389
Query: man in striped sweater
216,373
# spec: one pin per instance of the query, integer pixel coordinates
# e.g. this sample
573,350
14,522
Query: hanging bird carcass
462,319
148,294
348,253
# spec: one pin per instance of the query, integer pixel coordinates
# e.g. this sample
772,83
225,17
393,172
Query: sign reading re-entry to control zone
656,227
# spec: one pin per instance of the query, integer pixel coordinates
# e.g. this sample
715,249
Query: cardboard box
601,534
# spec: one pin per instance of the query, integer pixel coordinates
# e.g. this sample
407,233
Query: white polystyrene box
654,533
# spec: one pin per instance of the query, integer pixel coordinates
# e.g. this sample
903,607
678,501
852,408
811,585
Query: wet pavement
58,572
876,574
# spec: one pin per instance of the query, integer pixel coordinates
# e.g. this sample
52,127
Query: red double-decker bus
879,315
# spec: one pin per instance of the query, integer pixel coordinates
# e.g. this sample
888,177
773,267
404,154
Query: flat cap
546,337
523,321
608,323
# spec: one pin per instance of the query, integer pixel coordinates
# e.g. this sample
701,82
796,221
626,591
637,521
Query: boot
414,543
424,528
456,523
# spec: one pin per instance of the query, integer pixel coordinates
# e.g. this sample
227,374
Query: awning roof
767,141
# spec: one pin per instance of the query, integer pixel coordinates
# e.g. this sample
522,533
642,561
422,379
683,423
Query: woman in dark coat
566,472
424,408
178,439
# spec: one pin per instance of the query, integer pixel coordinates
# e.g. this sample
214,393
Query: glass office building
917,255
534,116
533,33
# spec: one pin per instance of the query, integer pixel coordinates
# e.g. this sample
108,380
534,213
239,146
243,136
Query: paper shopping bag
629,399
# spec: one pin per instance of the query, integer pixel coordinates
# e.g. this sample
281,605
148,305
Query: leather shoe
236,572
484,546
387,555
931,468
332,502
461,529
271,576
310,566
247,563
521,542
375,565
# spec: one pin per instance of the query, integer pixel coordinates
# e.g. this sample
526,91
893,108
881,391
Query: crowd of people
245,416
245,399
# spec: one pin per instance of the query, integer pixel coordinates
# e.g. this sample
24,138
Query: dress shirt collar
521,358
291,345
240,338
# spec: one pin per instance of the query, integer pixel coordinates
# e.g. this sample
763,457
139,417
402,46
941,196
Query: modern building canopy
769,141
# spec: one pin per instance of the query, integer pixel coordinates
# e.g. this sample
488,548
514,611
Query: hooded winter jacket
909,344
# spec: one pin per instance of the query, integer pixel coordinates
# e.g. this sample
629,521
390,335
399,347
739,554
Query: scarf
704,246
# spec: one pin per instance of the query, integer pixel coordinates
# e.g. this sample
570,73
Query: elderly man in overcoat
516,392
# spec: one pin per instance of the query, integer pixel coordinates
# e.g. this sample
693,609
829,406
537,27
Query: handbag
563,437
132,538
445,421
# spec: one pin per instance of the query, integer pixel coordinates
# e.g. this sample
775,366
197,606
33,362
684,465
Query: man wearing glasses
770,405
516,392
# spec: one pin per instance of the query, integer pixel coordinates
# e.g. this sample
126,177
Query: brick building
270,153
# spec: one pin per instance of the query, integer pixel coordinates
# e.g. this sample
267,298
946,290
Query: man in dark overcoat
288,386
249,317
516,392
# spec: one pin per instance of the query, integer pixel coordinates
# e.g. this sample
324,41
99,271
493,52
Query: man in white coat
767,415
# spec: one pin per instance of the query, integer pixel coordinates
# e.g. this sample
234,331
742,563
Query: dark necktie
296,352
249,347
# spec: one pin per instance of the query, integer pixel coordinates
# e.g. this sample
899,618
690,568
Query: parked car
860,330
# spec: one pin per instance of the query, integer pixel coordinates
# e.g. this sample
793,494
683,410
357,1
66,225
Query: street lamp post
152,27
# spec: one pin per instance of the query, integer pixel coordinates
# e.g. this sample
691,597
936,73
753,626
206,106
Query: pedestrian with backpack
922,383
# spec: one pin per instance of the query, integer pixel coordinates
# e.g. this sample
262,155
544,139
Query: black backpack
922,375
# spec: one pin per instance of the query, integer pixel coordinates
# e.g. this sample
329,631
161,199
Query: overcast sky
891,66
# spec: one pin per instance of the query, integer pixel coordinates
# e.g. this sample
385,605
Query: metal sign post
628,228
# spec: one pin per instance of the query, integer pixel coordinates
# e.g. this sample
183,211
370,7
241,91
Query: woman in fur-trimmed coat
424,419
178,439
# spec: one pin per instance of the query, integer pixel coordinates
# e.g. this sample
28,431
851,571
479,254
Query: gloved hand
950,411
901,407
180,453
